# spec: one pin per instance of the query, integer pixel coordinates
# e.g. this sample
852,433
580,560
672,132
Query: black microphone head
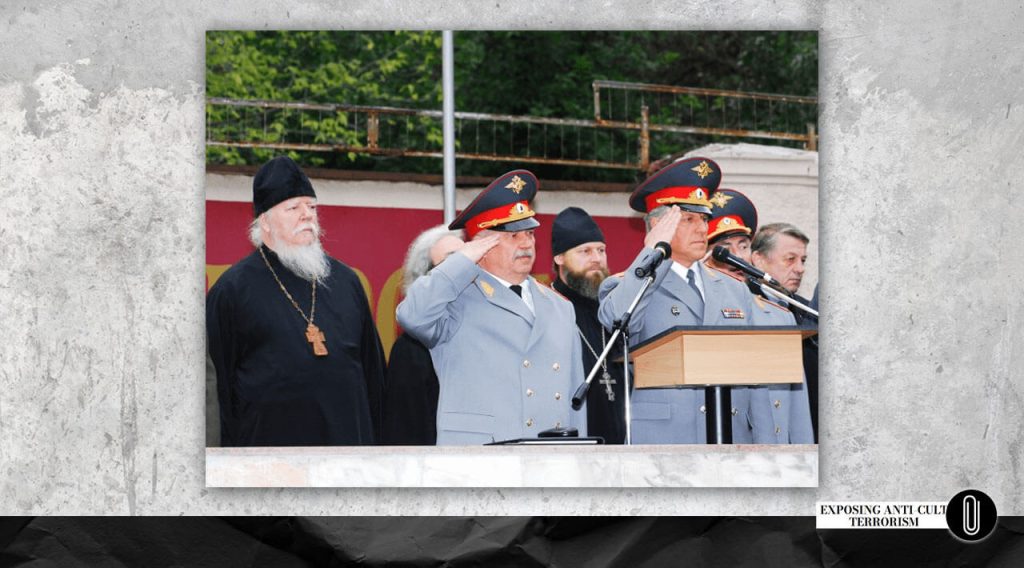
665,248
720,253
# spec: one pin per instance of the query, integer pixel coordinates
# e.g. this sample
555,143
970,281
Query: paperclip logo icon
971,515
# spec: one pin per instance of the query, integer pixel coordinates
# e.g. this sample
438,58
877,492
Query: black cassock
604,418
272,389
810,346
410,399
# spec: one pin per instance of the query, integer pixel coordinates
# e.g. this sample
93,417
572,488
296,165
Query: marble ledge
506,466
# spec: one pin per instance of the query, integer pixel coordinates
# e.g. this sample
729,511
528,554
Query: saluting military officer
685,292
776,414
505,348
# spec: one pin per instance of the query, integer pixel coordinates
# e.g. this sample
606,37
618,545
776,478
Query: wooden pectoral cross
316,338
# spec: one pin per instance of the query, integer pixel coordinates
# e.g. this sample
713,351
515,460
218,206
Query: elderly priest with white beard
290,335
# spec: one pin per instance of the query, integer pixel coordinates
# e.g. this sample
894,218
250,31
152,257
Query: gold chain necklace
606,377
313,334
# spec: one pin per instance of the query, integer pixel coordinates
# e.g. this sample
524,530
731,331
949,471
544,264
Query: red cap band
693,195
498,216
726,224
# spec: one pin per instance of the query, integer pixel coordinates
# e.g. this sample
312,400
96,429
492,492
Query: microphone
662,251
722,254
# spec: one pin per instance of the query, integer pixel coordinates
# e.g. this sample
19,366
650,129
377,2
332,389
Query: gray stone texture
101,253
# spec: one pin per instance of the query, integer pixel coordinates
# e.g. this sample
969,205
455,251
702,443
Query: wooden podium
716,358
703,356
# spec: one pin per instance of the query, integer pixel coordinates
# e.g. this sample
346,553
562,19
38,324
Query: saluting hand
477,248
664,228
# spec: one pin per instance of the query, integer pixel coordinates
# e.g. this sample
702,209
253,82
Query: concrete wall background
101,254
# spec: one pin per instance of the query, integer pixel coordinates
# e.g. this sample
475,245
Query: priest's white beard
308,262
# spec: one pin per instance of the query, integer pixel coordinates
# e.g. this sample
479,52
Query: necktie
693,284
517,289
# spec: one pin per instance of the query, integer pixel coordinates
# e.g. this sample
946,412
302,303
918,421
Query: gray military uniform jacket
779,414
677,415
503,371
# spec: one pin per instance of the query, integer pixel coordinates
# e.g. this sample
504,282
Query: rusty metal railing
736,113
540,139
617,139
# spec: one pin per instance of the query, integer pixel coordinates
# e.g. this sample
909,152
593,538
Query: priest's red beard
587,282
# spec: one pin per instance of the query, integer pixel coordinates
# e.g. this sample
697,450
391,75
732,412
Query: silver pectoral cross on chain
608,381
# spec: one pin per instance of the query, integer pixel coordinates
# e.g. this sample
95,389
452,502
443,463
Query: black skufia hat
278,180
573,227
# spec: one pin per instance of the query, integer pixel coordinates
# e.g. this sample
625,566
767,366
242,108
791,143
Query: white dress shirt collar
697,276
527,294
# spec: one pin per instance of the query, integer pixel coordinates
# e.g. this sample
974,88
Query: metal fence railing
629,120
710,112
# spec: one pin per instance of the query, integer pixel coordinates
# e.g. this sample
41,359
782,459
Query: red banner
374,240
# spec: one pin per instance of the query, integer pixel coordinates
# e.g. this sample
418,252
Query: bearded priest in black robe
580,261
291,339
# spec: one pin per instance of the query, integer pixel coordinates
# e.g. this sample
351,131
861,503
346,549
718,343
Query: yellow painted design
386,305
366,284
214,272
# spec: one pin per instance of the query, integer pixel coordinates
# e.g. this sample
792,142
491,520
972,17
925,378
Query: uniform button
556,367
778,429
735,412
778,403
529,422
529,392
702,409
558,396
526,363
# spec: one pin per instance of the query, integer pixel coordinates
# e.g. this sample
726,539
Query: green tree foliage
401,69
543,74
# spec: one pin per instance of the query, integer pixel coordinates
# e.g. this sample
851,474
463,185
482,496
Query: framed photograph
325,177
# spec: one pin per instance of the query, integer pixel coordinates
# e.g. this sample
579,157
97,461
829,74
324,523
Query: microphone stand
763,282
791,299
619,327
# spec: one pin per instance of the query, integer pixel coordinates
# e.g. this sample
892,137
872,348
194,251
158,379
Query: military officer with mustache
505,347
